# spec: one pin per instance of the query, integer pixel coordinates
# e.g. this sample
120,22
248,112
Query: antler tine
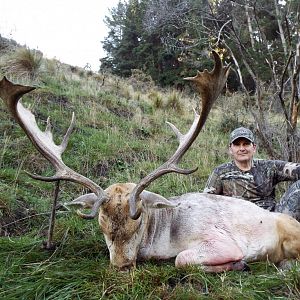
58,149
43,141
209,85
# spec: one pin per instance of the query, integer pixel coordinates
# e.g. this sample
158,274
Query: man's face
242,150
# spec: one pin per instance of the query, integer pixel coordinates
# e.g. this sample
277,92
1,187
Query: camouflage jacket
256,185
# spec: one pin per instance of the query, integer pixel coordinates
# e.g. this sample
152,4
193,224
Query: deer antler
209,85
43,141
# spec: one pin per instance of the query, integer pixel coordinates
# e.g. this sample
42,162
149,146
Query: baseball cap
241,132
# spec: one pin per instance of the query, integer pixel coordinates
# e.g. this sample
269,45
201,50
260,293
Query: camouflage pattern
289,202
241,132
258,184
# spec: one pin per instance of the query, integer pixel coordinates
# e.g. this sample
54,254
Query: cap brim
241,136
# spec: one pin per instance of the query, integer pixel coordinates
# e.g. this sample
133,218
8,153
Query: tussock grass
157,99
173,102
24,62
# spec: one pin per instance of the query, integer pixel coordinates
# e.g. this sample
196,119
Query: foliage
129,45
168,38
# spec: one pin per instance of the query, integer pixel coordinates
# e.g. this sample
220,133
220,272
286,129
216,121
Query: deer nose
127,267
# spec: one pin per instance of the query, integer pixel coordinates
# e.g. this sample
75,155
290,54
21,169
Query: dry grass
24,62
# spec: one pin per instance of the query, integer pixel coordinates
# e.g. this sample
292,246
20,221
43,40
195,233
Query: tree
122,39
272,65
138,39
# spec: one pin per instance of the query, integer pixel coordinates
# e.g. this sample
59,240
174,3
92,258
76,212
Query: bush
228,123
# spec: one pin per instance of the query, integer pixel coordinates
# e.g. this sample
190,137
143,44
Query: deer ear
154,200
84,201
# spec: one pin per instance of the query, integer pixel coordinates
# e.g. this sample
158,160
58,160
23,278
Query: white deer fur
217,232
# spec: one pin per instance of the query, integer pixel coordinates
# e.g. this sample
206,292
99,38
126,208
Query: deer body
217,232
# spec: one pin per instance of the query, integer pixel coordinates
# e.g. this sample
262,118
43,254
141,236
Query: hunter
255,179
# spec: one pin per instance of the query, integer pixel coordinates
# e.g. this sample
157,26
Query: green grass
79,269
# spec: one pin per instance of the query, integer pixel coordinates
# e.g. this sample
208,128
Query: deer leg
213,256
231,266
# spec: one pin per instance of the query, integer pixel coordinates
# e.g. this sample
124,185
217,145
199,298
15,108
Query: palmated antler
209,85
43,141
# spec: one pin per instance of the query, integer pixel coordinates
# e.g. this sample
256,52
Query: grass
120,135
24,62
79,269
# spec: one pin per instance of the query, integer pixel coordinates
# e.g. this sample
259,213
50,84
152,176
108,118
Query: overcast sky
68,30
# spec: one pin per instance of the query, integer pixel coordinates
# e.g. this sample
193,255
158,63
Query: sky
68,30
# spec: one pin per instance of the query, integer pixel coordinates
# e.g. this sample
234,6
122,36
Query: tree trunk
283,41
250,26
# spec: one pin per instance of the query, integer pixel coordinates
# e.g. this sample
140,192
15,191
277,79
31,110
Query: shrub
140,80
228,123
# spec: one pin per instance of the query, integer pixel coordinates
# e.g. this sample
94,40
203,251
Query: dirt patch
60,100
18,221
121,112
102,169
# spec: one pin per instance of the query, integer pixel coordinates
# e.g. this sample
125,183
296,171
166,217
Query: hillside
120,135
